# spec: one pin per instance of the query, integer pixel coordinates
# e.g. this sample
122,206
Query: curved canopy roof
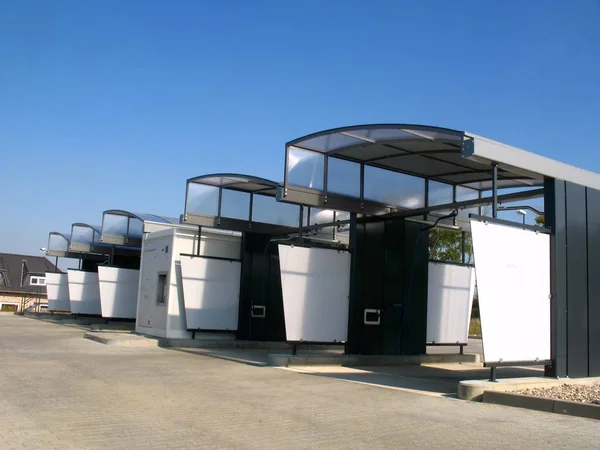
65,236
141,216
424,151
96,228
238,182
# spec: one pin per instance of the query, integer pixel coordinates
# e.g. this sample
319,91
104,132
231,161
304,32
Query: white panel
450,291
513,285
316,286
118,291
211,290
84,293
57,288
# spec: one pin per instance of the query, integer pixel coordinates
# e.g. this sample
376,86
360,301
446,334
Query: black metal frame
493,366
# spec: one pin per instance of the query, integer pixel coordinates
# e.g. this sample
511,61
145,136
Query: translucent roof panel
84,234
245,183
58,242
240,197
120,227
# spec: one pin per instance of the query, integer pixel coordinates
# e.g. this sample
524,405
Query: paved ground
60,391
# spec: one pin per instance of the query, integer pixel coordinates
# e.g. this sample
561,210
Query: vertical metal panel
577,286
416,263
356,233
593,248
555,219
394,271
372,283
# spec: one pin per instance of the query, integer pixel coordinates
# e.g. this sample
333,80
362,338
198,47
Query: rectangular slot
372,317
161,289
259,311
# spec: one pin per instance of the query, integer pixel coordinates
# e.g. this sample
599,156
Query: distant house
23,282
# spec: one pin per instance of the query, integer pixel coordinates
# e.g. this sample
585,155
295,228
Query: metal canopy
239,202
424,151
58,244
125,228
239,182
382,169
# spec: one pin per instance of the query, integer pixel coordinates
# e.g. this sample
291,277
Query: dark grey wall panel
593,247
385,261
555,218
577,281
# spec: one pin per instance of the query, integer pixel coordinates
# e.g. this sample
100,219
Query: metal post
351,344
325,177
199,238
362,184
462,349
294,349
492,374
56,264
426,197
494,190
463,248
220,201
300,220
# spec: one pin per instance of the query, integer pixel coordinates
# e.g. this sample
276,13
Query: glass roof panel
58,242
389,134
440,193
305,168
235,204
202,199
136,228
393,188
114,224
268,210
239,182
84,234
343,177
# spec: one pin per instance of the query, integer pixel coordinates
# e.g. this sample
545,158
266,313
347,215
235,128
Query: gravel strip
570,392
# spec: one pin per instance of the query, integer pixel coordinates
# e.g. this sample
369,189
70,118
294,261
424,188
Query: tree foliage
539,220
447,245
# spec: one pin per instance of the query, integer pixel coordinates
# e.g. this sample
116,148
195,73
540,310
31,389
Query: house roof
11,266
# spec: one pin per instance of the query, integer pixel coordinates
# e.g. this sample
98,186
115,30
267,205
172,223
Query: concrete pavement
58,390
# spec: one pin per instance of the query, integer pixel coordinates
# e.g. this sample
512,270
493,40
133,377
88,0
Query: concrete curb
367,360
586,410
474,389
232,344
138,342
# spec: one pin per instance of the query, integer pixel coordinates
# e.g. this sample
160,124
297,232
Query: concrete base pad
113,326
368,360
474,389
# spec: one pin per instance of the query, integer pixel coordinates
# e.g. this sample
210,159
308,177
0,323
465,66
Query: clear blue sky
114,103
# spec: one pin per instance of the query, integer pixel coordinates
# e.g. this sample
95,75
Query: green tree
447,245
539,221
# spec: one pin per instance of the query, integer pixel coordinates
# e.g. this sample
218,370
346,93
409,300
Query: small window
161,289
37,281
3,279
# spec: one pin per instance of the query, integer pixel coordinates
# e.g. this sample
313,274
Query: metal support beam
523,195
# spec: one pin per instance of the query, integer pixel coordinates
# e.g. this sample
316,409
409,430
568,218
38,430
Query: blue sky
114,104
